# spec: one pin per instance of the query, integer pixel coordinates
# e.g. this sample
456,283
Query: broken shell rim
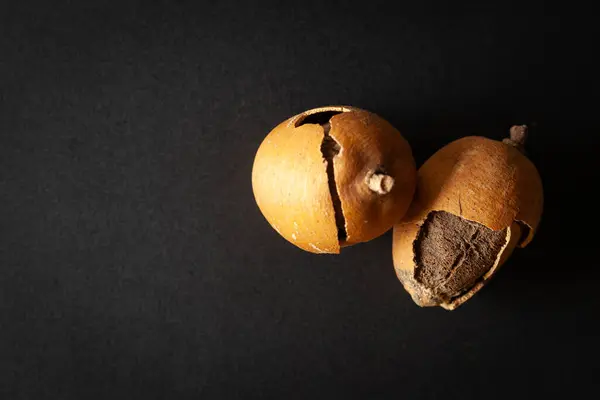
296,119
457,301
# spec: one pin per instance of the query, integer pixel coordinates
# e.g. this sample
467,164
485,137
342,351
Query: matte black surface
134,263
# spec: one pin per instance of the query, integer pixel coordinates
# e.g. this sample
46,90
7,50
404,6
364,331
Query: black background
134,262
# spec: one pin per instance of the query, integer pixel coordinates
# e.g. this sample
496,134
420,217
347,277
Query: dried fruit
332,177
477,199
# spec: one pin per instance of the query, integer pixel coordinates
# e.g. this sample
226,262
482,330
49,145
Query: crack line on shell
330,149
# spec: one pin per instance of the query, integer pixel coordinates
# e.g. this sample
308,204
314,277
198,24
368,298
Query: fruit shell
369,214
290,180
481,180
292,192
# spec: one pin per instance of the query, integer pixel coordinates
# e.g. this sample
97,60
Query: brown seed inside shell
452,253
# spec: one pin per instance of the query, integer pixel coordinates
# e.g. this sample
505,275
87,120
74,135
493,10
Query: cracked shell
483,181
333,176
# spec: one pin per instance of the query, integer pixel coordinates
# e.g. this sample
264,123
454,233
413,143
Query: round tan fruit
332,177
477,199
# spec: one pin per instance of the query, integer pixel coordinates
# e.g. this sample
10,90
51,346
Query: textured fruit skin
290,185
481,180
290,180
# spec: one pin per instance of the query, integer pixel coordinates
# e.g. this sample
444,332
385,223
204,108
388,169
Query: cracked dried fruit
333,176
477,199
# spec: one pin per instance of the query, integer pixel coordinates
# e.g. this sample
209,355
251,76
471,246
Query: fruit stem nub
518,136
380,183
